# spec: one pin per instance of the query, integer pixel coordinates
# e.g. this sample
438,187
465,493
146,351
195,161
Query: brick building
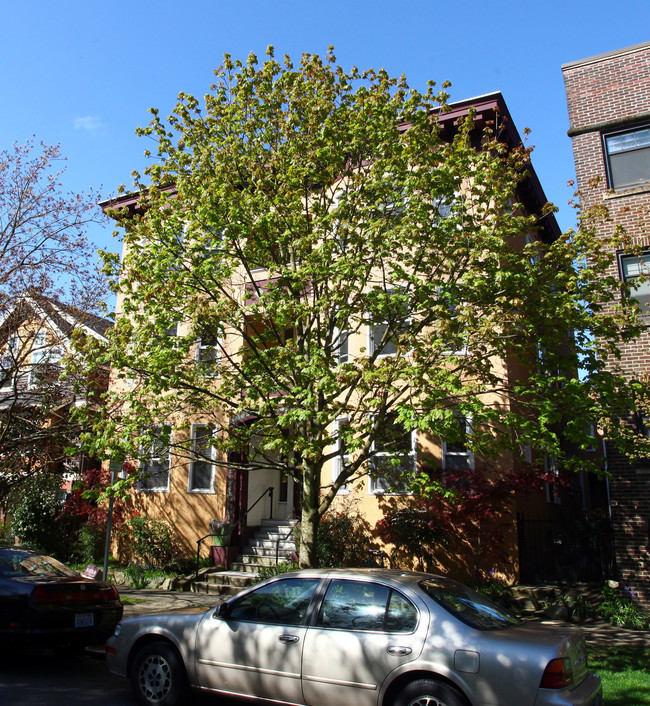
608,98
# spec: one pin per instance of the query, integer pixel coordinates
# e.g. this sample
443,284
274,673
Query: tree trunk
310,516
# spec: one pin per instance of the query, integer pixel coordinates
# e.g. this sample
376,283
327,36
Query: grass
127,600
624,671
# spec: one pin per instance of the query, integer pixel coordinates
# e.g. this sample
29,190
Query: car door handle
399,651
288,638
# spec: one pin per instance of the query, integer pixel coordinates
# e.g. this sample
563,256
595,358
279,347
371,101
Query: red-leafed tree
49,281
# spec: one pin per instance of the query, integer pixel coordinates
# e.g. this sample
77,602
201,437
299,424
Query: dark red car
43,603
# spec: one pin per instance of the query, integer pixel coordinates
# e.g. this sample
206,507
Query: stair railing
281,538
269,492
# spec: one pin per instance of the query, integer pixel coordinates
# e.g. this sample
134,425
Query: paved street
60,680
73,680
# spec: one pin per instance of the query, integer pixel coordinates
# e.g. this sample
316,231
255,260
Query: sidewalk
159,601
598,633
601,634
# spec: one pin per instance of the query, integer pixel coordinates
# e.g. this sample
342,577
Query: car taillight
557,675
44,594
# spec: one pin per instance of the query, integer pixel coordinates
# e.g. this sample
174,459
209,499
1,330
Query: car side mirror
222,611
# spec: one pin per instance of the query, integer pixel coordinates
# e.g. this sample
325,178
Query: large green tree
298,207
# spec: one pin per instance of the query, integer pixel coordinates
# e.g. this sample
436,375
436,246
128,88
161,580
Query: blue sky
83,74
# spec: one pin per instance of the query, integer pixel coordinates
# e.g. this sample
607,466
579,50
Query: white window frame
371,332
631,267
634,145
42,354
468,454
341,340
216,345
552,490
212,455
375,486
147,457
9,360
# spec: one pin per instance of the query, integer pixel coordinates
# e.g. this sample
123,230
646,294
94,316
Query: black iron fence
577,550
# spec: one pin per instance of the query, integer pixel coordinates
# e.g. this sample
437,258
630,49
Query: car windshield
467,605
18,564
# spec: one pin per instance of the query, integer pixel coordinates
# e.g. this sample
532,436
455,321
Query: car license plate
83,620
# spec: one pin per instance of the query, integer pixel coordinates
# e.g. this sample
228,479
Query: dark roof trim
488,107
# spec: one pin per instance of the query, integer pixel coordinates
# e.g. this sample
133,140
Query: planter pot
222,537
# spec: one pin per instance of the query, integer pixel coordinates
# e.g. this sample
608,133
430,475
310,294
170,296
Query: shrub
90,544
620,608
414,534
267,572
138,574
149,542
343,540
36,517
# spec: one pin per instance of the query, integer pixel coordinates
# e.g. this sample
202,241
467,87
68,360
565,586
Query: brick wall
609,92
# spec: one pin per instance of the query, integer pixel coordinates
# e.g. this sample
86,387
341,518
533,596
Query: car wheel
427,692
158,676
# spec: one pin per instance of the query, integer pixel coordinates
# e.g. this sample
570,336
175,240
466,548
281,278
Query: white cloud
90,123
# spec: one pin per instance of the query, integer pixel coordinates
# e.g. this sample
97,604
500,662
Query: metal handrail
269,492
282,539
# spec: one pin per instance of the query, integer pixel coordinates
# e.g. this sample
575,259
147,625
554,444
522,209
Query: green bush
415,536
89,548
621,609
149,542
267,572
343,539
37,520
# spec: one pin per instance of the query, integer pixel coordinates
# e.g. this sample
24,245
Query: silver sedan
357,637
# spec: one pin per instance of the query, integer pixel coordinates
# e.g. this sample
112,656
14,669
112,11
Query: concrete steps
273,539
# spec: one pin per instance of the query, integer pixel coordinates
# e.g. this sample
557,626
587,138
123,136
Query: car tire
428,692
158,676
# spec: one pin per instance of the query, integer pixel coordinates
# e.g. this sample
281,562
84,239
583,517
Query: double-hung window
551,486
385,330
393,461
628,157
44,360
208,355
633,270
9,360
341,345
155,461
456,454
201,475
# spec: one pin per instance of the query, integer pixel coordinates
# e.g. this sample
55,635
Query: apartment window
551,485
385,331
632,270
628,157
341,345
201,475
9,360
394,458
455,339
208,355
44,360
155,461
456,454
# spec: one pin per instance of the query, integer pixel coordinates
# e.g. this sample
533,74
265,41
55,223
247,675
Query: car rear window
467,605
17,564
